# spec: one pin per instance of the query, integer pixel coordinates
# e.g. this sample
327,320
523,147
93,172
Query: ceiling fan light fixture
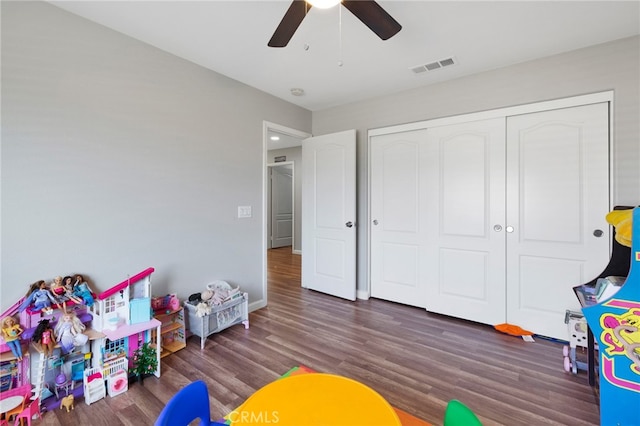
323,4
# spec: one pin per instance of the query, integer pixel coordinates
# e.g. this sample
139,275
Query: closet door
398,201
465,241
557,200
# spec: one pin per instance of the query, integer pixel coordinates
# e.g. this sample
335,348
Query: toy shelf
172,331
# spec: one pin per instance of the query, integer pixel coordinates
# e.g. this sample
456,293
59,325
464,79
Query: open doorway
283,158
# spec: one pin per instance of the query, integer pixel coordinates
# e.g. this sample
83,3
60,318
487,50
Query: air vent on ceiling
432,66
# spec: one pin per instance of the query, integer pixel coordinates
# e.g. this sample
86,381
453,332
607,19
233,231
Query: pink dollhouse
119,321
123,315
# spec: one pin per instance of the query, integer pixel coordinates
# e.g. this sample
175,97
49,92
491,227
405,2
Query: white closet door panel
465,240
454,281
558,195
397,228
537,286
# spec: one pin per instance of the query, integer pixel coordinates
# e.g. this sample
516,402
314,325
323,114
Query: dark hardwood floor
418,361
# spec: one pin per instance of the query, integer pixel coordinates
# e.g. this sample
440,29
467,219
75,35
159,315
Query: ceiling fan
368,11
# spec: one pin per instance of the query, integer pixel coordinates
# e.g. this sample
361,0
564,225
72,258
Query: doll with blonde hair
11,332
68,332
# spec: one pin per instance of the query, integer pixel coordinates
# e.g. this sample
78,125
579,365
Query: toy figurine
81,289
11,332
59,292
69,332
68,288
43,335
40,297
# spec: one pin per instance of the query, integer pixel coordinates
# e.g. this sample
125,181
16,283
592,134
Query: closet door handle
375,221
509,229
497,228
349,224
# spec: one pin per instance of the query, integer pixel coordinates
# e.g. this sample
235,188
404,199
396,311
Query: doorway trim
268,126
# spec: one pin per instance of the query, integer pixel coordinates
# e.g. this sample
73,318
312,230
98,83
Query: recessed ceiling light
296,91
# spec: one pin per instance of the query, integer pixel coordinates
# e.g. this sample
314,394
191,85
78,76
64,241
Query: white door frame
293,201
266,127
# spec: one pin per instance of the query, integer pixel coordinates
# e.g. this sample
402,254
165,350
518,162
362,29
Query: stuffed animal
206,296
203,309
622,221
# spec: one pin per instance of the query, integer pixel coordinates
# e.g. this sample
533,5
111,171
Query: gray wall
117,156
293,154
611,66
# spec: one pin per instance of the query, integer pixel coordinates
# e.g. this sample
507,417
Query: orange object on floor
513,330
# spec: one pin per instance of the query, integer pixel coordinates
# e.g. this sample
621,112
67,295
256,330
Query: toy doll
40,297
81,289
11,332
59,292
43,335
68,288
69,332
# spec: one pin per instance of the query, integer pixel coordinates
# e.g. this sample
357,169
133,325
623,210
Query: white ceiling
231,37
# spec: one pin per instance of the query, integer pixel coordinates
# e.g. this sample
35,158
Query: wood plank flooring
418,361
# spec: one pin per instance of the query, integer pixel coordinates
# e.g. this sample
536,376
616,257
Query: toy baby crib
115,376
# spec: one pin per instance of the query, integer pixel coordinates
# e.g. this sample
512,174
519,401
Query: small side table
9,403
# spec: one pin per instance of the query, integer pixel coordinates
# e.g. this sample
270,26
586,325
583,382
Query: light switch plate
244,211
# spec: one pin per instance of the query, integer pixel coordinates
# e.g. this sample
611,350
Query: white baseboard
362,294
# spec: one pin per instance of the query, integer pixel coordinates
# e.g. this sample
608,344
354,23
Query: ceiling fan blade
374,16
289,24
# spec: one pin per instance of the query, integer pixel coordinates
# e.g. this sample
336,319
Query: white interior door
397,228
465,238
329,214
558,197
281,206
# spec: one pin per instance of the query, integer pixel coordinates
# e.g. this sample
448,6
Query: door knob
497,228
598,233
375,221
349,224
509,229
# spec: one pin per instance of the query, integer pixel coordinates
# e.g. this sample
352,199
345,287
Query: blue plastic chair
190,403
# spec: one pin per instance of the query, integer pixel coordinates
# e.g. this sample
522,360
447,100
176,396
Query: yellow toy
67,402
622,220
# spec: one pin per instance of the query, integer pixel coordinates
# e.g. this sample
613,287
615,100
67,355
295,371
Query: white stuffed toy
202,309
